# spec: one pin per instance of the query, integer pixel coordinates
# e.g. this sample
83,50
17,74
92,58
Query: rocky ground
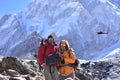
13,68
108,69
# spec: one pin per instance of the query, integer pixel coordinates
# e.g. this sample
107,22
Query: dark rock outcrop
83,76
17,65
13,68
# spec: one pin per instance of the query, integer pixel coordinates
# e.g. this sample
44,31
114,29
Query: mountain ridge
71,20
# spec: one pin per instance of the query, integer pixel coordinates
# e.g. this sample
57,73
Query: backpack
41,43
52,59
75,64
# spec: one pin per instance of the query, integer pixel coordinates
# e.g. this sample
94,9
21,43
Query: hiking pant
63,77
51,73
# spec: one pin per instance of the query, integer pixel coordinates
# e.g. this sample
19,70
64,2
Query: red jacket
45,50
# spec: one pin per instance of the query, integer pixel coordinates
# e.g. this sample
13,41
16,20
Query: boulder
17,65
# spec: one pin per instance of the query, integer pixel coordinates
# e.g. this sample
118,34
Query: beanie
50,36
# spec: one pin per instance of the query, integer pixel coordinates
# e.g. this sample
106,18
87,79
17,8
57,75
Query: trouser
64,77
40,69
51,73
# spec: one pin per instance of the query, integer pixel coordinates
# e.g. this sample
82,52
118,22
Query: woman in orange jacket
67,58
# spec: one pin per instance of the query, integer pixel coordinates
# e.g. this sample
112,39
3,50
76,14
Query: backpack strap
69,51
45,48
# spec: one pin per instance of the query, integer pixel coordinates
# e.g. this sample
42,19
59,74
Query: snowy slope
78,21
116,2
114,53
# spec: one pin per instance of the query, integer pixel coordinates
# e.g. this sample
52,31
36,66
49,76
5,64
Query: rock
16,64
27,77
2,77
16,78
12,73
83,76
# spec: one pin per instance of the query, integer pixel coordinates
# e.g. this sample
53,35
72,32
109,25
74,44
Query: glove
63,62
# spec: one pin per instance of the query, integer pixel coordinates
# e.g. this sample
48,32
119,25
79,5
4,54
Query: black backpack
75,64
52,59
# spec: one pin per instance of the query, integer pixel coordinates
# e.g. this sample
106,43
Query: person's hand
56,48
43,65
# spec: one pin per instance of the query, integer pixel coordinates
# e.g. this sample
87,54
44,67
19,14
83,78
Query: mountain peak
78,21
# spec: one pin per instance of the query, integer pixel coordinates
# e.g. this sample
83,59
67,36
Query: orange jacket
68,57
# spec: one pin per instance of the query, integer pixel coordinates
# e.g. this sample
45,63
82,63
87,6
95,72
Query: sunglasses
62,45
50,39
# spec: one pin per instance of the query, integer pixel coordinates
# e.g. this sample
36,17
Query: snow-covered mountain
116,2
78,21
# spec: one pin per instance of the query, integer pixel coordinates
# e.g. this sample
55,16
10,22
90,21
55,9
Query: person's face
62,45
50,40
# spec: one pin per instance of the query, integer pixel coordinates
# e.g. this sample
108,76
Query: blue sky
12,6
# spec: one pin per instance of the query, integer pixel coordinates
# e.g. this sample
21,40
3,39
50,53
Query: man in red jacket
47,48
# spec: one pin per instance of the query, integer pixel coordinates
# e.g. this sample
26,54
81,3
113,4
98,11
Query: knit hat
66,43
50,36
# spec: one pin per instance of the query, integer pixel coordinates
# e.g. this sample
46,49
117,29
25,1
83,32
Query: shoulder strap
45,48
69,53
